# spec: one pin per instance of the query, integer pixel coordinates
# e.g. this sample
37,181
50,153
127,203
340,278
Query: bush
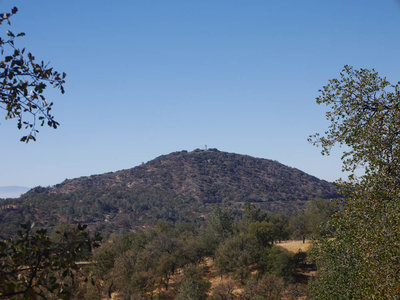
279,262
193,287
268,287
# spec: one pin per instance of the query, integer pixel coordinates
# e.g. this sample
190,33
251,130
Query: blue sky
146,78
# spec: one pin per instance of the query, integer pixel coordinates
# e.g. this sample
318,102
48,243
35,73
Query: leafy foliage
264,232
277,261
33,265
360,259
219,226
23,82
313,221
236,254
364,111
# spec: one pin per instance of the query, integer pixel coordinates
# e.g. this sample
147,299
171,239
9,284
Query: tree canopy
360,259
364,114
33,265
23,82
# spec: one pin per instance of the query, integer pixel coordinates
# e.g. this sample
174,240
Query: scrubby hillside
176,187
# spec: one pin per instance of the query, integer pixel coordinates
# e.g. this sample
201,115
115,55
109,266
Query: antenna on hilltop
205,147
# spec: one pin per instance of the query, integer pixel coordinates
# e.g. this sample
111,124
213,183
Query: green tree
104,259
280,222
250,214
23,82
264,232
237,254
298,226
360,259
317,214
312,221
219,227
193,286
278,261
32,265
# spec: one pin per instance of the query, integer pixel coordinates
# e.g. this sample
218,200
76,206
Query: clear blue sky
150,77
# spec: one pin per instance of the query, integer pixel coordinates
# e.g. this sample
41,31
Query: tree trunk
110,289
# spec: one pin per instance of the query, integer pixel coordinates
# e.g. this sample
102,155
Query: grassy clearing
295,246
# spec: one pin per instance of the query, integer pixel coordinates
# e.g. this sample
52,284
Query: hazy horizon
12,191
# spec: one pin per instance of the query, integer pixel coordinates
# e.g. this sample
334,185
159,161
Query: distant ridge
12,191
180,186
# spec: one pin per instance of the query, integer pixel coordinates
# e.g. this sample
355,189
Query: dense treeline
168,260
175,261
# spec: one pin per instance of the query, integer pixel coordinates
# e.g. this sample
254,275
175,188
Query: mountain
180,186
12,191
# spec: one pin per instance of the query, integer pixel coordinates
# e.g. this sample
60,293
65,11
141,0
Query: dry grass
295,245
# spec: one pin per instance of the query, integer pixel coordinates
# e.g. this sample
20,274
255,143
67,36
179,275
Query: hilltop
180,186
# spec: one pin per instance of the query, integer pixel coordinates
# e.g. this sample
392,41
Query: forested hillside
180,186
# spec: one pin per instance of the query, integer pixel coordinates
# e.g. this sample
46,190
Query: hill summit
180,186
